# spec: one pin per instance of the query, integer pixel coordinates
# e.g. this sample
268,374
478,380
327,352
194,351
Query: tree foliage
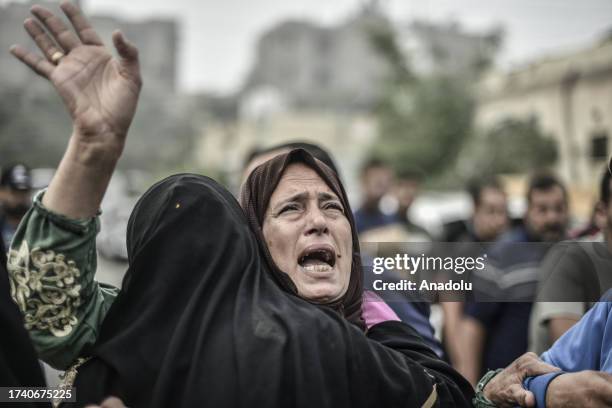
423,121
425,124
513,145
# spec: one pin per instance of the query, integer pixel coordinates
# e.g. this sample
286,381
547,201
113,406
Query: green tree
423,121
512,146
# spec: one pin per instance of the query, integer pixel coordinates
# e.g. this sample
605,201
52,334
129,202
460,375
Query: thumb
126,50
529,399
521,396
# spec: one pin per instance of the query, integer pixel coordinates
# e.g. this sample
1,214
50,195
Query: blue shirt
366,219
586,346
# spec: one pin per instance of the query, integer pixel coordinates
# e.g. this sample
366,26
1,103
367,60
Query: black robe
201,322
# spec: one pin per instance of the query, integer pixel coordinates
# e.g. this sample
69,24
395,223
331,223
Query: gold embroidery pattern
44,286
69,377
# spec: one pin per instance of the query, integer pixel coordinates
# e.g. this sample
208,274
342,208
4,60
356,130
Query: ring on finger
57,56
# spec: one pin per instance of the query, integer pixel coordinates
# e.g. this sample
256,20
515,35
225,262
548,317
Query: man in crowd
376,181
489,220
406,189
572,277
15,198
494,333
490,217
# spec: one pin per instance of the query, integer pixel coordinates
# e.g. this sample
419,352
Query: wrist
547,392
482,398
96,151
78,186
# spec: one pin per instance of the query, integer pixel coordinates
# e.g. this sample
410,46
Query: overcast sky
218,36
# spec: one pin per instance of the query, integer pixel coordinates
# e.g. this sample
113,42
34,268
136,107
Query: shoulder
607,297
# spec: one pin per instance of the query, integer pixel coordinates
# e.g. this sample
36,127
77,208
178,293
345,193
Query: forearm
51,266
82,177
452,331
581,389
557,327
472,340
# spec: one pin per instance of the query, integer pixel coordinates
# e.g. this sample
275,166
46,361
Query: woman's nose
317,223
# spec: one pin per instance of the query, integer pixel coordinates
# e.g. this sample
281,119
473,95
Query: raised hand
99,91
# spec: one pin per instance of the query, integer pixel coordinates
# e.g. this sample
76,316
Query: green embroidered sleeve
51,266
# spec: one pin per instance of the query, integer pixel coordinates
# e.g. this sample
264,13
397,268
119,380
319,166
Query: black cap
17,177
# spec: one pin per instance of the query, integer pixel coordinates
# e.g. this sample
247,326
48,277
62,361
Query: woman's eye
334,206
289,207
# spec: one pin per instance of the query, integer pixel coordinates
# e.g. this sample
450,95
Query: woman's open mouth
318,258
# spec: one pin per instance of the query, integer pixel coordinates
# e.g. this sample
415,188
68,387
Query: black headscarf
254,199
201,322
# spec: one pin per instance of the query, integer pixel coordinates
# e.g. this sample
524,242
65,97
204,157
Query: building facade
571,96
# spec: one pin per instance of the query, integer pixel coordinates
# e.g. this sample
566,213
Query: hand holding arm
506,388
100,93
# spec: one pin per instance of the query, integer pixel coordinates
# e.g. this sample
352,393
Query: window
599,145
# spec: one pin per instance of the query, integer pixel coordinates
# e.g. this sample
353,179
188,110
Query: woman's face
308,235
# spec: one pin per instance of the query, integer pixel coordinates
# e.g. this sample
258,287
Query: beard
553,233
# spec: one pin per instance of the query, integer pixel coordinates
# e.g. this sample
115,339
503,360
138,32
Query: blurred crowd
546,275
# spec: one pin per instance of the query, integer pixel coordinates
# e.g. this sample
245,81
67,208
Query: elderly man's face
308,235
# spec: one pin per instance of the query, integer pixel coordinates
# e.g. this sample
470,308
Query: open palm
99,91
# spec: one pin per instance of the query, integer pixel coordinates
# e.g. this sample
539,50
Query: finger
36,63
519,395
539,368
80,23
530,400
62,35
127,51
40,37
